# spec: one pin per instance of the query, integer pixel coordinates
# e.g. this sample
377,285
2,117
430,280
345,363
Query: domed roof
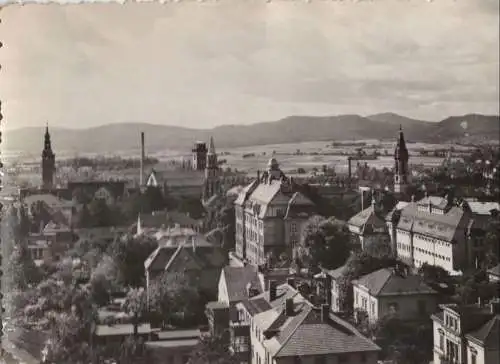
272,164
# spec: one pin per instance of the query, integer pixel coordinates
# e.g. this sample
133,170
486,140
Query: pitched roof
237,279
488,335
166,218
441,226
337,272
368,219
495,270
299,206
116,188
386,282
305,333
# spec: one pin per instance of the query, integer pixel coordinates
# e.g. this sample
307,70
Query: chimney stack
273,290
495,306
325,313
143,158
289,311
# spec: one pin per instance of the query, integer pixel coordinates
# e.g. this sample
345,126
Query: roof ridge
294,330
391,274
176,253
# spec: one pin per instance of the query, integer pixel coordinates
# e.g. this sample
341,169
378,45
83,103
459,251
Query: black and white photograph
250,182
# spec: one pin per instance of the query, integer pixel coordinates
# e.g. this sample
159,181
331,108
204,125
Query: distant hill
125,136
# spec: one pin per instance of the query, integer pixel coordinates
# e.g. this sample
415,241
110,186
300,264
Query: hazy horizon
207,64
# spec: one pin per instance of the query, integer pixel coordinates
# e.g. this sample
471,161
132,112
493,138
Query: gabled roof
495,270
166,219
337,272
305,333
487,335
237,279
441,226
386,282
299,206
368,219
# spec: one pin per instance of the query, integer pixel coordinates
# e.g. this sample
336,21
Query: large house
467,334
393,291
201,261
284,327
369,225
437,231
270,216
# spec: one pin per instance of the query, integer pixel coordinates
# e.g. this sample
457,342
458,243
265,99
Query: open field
306,155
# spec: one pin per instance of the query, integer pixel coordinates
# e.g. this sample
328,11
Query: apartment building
270,216
467,334
284,327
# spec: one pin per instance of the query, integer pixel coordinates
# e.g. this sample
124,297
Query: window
441,340
473,358
363,358
372,307
297,360
294,227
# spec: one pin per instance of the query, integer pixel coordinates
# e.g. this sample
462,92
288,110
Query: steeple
211,146
401,157
48,161
211,184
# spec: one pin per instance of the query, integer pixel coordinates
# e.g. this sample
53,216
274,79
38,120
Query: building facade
393,292
200,156
437,231
284,327
270,215
466,334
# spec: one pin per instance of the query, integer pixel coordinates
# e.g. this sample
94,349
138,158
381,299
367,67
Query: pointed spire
211,146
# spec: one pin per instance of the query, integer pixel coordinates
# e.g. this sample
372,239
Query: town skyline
102,64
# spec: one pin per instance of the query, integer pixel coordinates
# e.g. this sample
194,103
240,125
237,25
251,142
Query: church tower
401,172
48,162
211,172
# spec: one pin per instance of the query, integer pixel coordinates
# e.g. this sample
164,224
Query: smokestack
325,313
143,158
289,311
349,170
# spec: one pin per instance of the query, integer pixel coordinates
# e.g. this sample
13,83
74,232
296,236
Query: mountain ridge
296,128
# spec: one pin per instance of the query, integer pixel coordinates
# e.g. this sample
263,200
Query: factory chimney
143,157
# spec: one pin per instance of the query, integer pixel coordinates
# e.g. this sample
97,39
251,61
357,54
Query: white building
286,328
392,291
436,231
467,334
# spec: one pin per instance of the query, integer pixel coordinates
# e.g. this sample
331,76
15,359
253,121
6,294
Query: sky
203,64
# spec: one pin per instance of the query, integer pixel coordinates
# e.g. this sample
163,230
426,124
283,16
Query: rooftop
388,282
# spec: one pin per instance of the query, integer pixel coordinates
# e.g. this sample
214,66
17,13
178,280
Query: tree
101,214
84,217
129,254
324,244
403,342
212,350
174,299
135,304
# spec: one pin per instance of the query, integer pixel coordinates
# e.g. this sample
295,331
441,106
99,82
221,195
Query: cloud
212,63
